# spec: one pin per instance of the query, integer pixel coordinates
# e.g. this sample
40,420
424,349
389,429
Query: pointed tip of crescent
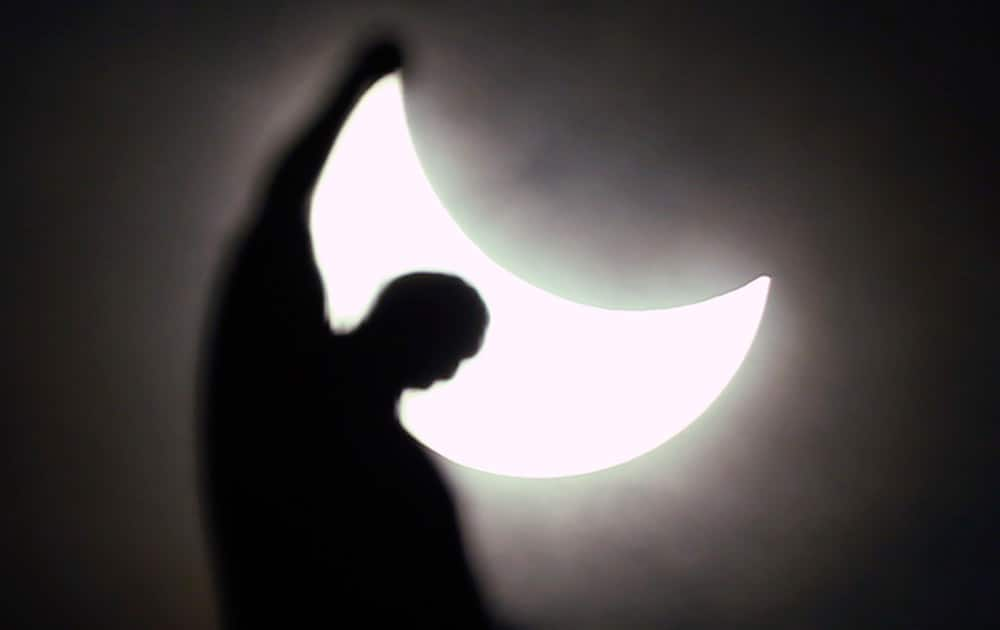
762,284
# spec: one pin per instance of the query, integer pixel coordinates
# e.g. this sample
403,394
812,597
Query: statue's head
422,326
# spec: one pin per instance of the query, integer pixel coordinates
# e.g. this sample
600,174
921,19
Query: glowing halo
559,388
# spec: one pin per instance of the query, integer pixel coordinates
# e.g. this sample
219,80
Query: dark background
624,156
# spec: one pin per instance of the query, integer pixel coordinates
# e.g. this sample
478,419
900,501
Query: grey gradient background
620,155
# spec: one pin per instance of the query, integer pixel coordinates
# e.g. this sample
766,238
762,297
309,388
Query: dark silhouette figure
321,509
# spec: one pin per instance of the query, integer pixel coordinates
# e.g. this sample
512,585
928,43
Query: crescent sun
559,388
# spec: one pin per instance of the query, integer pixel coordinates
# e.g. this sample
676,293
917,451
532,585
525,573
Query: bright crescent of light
559,388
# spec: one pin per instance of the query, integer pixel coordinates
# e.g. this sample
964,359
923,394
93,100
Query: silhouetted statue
404,537
322,510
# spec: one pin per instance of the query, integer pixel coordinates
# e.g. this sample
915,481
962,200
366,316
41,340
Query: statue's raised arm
298,169
268,347
272,298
